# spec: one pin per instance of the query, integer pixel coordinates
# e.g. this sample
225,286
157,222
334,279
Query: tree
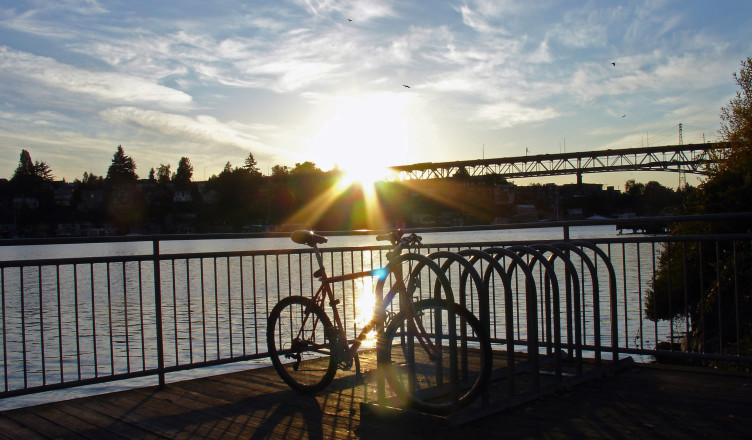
736,125
697,276
29,175
306,168
122,169
184,173
279,170
91,179
163,173
462,174
251,165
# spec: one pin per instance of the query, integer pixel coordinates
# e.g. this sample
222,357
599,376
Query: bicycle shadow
309,418
317,416
196,409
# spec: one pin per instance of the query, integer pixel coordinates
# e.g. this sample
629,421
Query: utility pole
682,176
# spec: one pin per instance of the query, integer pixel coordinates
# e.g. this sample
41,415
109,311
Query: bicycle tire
298,339
424,383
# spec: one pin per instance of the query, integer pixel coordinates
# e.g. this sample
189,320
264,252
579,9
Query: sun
364,137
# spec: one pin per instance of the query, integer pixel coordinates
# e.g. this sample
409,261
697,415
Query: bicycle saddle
308,238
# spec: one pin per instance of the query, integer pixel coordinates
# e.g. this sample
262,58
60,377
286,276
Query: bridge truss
691,158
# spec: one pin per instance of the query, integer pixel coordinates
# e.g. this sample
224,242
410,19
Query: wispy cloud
202,129
105,86
360,10
510,114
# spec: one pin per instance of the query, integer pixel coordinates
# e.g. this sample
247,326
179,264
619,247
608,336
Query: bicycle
425,352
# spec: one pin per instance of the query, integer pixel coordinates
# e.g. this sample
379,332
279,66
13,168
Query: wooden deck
644,401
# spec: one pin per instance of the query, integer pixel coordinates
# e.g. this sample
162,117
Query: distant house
182,196
26,202
91,200
64,195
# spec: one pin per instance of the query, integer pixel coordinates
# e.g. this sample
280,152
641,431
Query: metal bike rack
546,353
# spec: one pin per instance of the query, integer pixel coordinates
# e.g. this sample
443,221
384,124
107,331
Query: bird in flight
406,86
613,64
349,19
623,116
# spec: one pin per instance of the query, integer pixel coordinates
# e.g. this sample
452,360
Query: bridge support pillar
579,178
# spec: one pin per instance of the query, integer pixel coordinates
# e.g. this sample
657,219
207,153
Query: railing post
158,310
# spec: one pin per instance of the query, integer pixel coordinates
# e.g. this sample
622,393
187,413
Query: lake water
625,260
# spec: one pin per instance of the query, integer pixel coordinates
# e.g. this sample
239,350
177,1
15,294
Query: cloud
201,129
654,75
104,86
510,114
489,16
360,10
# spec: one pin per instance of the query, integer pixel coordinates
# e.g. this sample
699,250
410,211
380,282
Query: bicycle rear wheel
298,337
448,372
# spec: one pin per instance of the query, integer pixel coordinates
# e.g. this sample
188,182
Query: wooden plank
10,429
33,421
158,419
107,425
74,424
643,402
300,410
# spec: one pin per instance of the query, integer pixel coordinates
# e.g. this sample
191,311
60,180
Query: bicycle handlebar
397,238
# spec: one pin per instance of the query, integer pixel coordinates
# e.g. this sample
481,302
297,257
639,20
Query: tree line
243,199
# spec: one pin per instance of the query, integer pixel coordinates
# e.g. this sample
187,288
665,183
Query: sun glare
363,138
364,309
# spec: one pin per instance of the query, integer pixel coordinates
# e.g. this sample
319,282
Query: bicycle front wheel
437,360
298,337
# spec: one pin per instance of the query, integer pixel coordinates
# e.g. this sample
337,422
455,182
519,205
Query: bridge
690,158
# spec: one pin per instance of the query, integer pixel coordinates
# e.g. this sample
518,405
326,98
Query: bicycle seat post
309,238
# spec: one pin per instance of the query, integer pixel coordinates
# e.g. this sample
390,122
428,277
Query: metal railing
76,320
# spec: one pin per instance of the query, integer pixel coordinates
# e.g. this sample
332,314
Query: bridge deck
641,402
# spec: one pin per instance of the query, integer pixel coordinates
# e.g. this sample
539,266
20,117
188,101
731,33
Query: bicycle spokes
437,357
298,337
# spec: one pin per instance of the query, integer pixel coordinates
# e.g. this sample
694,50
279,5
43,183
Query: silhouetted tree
163,174
125,203
688,275
462,174
251,165
122,169
279,170
29,175
184,173
306,168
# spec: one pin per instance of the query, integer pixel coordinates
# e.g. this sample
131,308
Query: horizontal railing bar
534,225
452,245
78,383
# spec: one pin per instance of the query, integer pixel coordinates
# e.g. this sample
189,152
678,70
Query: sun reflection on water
364,308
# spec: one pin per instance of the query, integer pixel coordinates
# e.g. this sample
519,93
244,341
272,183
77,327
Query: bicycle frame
378,318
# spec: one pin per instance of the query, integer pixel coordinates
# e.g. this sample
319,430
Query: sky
360,84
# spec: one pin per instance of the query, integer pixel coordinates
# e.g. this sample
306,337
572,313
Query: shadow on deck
643,401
